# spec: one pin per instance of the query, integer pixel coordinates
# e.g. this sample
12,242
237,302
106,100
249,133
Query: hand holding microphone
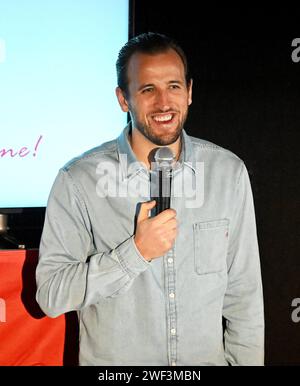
155,236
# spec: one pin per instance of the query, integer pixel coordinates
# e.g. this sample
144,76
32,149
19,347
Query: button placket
172,320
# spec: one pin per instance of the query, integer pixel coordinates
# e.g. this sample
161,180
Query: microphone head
164,157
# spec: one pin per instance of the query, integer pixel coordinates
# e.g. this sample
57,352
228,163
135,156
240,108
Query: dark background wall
247,98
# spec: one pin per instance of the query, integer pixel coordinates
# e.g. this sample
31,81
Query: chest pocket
210,246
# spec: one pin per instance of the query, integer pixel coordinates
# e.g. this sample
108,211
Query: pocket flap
210,245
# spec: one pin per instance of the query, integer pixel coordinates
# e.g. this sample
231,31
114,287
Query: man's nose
162,100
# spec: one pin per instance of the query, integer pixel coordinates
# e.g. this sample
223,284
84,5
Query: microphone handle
164,200
165,203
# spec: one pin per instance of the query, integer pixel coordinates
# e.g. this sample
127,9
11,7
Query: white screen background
57,85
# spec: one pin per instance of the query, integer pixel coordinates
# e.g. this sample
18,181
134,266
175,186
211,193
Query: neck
141,146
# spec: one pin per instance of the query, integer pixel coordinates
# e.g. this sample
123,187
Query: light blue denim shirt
168,311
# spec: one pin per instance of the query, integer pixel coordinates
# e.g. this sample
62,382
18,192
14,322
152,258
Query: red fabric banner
27,336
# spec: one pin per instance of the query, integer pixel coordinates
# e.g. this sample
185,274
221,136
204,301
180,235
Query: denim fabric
168,311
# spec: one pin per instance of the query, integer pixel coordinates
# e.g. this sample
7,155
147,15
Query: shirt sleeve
70,274
243,304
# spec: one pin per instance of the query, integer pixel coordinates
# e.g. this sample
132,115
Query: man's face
158,97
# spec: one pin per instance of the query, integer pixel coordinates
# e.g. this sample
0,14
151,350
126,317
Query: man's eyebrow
152,85
176,81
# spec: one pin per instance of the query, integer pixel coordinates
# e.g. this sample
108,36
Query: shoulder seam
88,155
214,147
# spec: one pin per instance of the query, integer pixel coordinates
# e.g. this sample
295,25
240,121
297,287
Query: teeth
162,118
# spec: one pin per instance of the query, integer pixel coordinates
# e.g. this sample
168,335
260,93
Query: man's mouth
163,118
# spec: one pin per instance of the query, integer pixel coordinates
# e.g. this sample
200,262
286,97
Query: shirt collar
130,165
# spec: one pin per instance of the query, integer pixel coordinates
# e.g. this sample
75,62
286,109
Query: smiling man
157,94
154,290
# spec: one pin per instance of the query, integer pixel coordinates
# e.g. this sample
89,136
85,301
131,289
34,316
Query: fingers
144,210
161,218
169,225
168,238
165,216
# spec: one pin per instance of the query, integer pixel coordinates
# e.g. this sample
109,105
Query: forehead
155,67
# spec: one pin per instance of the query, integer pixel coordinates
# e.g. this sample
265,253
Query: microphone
161,178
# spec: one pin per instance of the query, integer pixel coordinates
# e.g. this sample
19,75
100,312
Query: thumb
144,210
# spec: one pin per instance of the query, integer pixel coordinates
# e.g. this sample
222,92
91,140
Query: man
154,291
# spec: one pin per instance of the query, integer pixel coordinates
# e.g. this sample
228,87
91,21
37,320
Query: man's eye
146,90
174,86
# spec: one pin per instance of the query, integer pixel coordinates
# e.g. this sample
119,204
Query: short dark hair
148,43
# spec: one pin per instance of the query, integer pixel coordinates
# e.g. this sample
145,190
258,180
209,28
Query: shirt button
170,260
173,331
172,295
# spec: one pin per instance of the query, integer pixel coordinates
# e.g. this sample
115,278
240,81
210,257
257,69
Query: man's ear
122,100
190,89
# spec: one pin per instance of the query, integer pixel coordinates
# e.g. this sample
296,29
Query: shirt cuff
130,258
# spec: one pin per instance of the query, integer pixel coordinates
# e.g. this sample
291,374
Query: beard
161,139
